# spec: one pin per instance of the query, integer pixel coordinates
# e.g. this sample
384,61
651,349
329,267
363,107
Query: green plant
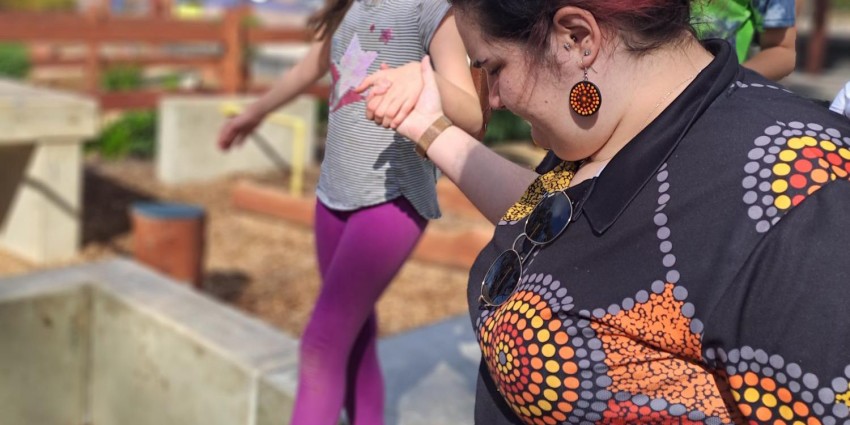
122,78
134,134
38,5
14,60
504,126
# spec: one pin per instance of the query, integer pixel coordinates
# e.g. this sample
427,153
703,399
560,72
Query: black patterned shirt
705,277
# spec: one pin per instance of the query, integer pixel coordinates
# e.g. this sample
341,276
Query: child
768,23
375,194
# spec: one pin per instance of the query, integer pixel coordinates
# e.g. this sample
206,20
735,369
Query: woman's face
537,95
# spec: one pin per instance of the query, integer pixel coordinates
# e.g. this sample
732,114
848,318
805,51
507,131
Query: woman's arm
491,182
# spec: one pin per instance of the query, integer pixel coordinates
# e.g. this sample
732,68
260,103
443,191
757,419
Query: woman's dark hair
325,22
643,25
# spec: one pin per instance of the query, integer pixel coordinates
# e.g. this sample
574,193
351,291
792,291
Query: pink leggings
359,253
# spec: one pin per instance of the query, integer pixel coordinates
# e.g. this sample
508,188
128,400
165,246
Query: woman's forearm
478,172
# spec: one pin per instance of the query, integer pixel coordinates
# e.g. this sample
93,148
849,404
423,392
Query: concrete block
28,113
42,220
276,396
189,127
40,170
44,358
145,372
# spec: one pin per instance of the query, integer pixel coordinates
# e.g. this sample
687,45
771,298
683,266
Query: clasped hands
405,99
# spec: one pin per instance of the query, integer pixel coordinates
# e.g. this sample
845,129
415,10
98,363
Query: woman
375,194
687,263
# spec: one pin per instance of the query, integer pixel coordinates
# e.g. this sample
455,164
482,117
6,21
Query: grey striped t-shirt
366,164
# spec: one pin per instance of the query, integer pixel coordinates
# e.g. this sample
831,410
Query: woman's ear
579,29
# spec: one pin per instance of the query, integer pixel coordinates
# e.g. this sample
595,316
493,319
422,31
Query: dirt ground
262,265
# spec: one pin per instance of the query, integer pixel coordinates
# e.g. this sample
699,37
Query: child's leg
363,367
364,387
372,248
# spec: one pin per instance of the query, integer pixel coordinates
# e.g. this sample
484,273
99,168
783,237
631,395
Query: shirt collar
633,167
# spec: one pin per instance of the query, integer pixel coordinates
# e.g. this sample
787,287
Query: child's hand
238,128
394,93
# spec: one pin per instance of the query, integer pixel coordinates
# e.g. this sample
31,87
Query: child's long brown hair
324,22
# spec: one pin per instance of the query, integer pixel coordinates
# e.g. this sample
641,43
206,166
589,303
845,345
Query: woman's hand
238,128
427,108
394,93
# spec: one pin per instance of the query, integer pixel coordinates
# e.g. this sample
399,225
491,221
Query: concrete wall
189,127
131,348
44,358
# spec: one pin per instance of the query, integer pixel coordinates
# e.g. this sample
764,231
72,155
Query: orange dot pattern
763,400
557,179
585,98
651,350
526,350
804,166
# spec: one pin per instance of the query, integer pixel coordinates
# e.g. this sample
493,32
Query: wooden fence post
96,15
232,63
817,38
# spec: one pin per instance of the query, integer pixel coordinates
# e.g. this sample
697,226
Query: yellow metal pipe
299,139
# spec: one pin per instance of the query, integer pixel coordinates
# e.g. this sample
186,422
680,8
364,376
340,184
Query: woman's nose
493,96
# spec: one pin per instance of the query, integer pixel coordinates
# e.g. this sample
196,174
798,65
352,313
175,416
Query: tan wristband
438,126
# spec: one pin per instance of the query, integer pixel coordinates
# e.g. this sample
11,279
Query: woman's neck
657,79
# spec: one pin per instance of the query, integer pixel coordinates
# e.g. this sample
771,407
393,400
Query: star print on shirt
352,69
386,35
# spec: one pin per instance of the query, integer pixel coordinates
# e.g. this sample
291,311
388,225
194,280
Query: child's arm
395,91
460,100
293,82
778,55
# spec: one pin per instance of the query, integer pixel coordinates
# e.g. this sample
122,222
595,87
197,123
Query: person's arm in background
293,82
777,56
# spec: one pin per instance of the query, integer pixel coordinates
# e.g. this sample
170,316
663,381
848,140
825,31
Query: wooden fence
95,30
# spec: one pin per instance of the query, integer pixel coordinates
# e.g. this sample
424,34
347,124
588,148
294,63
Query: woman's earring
585,98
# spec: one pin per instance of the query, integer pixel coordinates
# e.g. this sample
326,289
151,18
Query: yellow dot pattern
557,179
844,398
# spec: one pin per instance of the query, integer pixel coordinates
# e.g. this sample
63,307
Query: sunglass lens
502,278
549,218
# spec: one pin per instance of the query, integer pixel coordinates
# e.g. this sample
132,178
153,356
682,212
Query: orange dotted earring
585,98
